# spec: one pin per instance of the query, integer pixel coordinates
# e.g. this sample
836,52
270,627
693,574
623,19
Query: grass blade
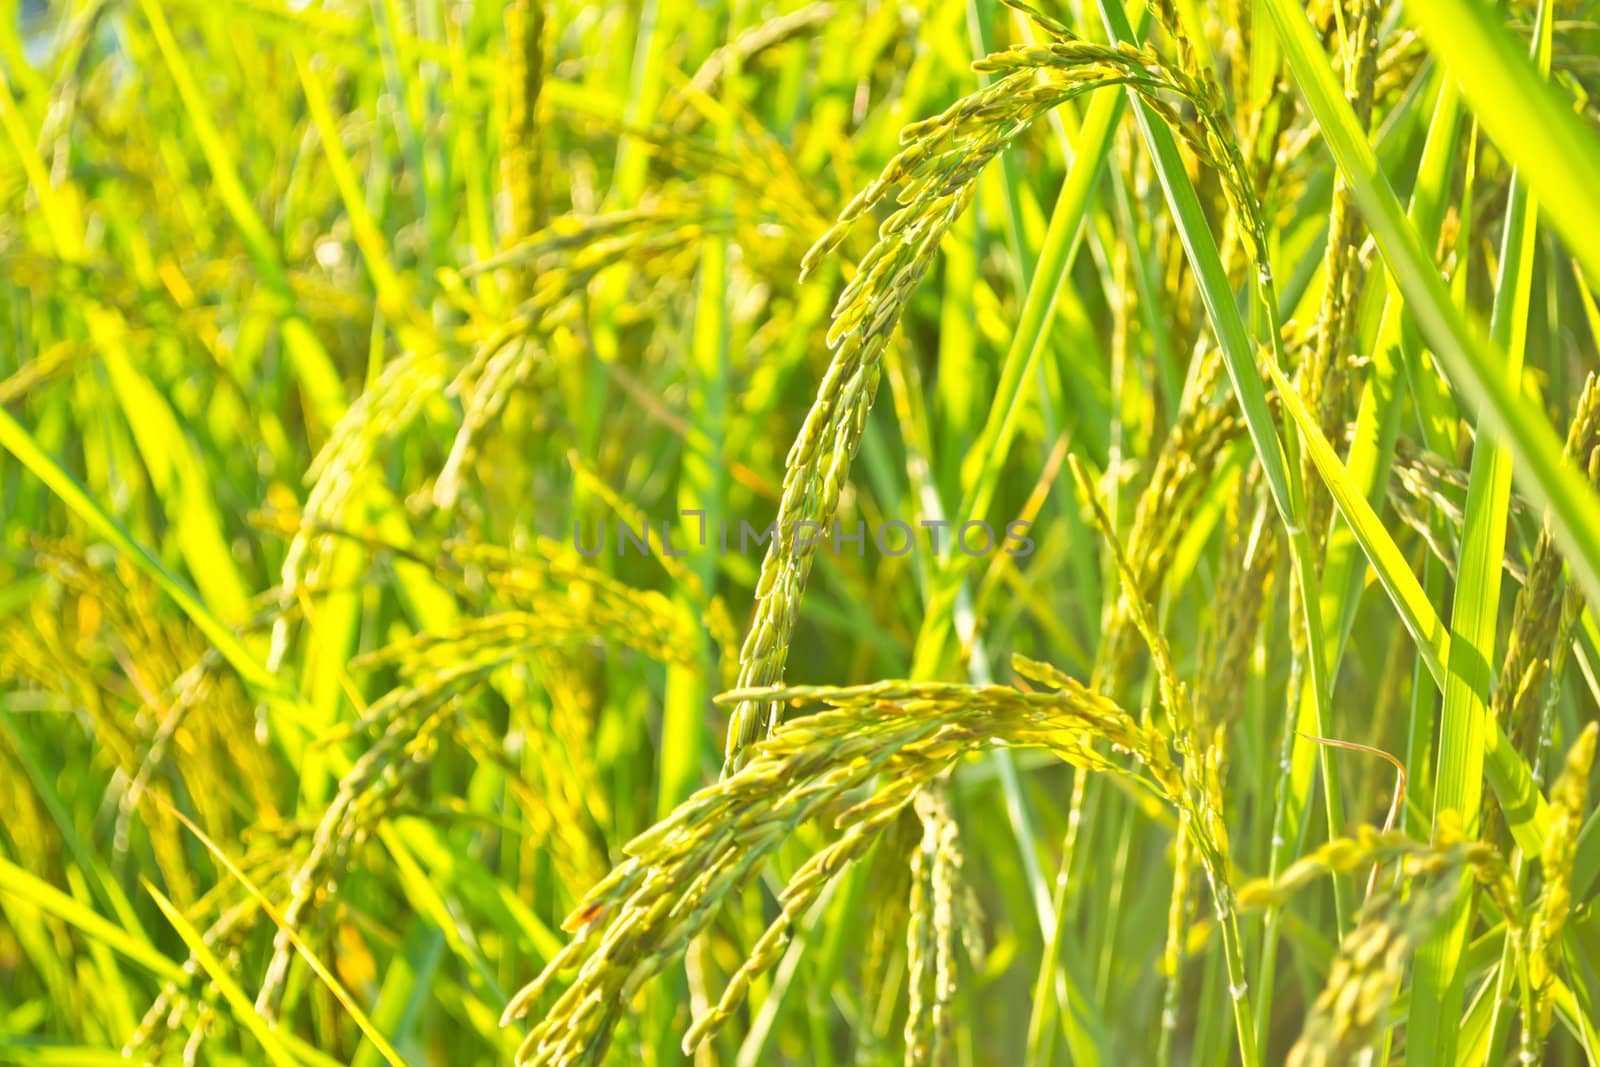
1440,976
1526,115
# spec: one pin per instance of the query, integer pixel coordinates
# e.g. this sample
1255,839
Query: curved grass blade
244,1013
1508,773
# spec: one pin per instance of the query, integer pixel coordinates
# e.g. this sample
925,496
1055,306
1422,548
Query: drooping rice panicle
894,738
940,917
748,46
1552,911
409,721
934,174
1536,648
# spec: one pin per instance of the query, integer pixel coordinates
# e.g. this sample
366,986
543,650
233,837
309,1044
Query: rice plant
911,531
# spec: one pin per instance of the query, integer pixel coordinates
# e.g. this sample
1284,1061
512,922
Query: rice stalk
1323,378
1196,789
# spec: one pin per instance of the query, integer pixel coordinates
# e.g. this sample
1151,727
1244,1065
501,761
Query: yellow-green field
851,532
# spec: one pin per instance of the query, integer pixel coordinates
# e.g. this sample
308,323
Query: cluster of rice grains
1350,1014
858,765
